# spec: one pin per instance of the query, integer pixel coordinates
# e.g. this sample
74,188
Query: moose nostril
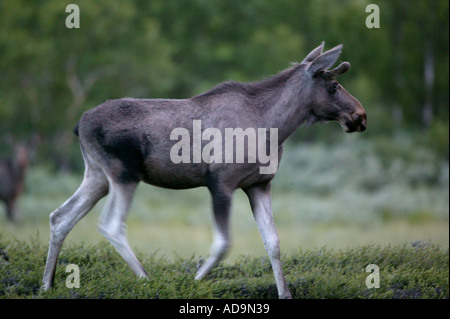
356,117
359,118
359,121
363,124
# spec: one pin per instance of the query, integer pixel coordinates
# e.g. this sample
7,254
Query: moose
126,141
12,175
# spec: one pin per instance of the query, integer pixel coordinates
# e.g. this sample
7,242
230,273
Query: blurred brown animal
12,176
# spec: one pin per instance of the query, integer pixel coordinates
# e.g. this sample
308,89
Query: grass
413,271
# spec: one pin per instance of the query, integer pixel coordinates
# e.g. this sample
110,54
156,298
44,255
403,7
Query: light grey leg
260,202
63,219
112,223
221,242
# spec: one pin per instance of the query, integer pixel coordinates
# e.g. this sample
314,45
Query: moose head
329,101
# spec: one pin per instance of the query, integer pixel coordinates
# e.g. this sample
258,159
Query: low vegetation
418,270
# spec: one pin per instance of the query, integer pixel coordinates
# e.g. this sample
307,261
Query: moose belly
174,176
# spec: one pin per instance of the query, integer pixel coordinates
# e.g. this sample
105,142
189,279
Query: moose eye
334,87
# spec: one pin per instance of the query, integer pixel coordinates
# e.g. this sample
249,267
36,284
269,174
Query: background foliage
175,49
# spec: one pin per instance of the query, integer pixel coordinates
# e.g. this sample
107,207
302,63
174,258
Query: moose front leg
260,202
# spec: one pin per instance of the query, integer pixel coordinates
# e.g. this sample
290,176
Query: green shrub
419,270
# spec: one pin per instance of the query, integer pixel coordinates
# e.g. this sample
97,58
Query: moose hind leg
221,241
112,223
63,219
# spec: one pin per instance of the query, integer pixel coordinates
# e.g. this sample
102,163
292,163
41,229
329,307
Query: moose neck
286,105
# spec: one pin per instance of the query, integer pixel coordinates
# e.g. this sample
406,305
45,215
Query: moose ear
325,60
314,53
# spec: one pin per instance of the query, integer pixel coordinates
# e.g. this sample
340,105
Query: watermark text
237,146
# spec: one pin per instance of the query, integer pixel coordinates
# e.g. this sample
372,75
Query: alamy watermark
73,279
233,150
373,19
73,19
373,280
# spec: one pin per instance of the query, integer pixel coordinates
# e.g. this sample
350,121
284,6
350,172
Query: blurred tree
51,74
